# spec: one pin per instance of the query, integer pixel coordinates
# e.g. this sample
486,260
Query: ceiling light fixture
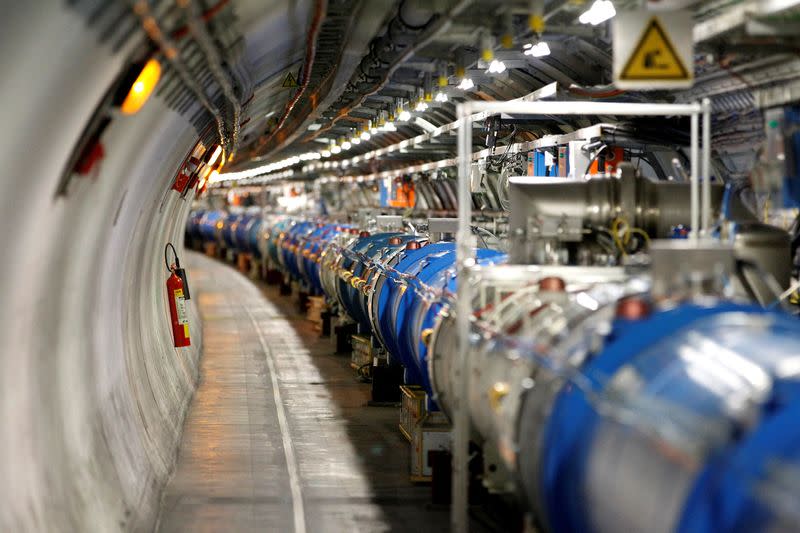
496,67
215,155
466,84
539,49
601,11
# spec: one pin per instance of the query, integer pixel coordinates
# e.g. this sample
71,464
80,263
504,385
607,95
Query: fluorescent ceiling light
601,11
466,84
215,155
496,67
540,49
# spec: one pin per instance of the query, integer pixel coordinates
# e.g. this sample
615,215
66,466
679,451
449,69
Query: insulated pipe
170,51
551,364
579,383
415,14
308,64
198,30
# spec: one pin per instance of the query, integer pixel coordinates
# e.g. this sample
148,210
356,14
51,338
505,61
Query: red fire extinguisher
177,294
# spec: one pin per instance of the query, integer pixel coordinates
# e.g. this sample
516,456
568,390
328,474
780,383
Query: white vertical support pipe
459,518
706,168
694,178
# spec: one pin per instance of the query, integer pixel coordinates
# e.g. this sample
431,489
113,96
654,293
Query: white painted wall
92,393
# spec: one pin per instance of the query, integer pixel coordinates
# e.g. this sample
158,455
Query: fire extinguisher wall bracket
177,290
178,270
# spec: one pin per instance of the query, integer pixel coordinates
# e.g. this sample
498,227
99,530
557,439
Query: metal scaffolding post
465,250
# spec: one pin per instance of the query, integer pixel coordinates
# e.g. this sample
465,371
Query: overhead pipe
441,25
151,27
198,30
311,52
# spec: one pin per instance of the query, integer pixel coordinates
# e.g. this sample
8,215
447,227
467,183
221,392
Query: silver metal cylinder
511,304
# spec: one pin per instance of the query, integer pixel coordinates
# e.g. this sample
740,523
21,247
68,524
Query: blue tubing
659,350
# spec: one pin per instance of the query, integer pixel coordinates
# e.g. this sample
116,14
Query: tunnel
397,265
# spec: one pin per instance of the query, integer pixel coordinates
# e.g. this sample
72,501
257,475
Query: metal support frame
459,518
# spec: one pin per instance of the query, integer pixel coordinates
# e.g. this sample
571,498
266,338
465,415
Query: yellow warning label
654,57
289,81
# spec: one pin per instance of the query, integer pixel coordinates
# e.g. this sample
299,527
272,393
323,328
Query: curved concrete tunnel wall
92,393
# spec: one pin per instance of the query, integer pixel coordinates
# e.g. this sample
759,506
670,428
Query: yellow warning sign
290,81
654,57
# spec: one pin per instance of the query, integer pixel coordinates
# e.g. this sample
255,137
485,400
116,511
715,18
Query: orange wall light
142,88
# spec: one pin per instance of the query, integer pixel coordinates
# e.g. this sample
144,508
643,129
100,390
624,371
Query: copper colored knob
426,335
633,308
363,234
412,245
394,241
552,284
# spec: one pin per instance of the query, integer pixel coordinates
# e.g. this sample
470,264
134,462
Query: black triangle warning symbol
654,57
289,81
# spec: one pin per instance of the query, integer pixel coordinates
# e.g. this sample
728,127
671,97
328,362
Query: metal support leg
459,521
695,178
706,168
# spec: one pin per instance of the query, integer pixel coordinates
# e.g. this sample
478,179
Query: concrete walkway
278,436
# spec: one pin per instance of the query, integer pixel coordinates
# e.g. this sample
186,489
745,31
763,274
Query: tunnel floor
311,456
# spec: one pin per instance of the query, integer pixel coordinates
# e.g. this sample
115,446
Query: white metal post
694,179
706,168
465,249
459,517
